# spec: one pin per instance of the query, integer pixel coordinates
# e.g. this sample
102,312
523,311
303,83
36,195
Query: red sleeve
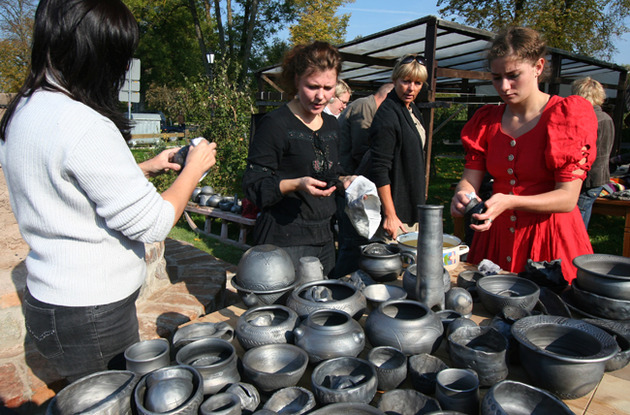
476,135
572,133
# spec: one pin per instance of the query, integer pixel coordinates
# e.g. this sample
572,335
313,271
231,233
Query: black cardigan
398,158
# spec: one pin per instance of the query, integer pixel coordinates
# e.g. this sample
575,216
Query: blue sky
371,16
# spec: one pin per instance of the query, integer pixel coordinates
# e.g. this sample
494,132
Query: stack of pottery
602,286
265,275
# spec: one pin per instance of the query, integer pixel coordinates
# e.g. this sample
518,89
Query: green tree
16,26
317,20
587,27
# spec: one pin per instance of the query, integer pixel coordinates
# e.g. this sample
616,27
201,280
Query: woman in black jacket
397,140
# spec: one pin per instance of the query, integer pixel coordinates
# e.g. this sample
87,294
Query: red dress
528,165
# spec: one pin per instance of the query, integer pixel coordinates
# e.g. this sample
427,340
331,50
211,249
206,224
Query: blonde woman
339,102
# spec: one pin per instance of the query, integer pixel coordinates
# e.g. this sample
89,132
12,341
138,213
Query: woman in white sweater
82,203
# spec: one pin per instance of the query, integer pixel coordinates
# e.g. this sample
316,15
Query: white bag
363,206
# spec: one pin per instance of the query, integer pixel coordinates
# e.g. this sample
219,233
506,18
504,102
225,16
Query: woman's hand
160,163
308,184
347,180
391,225
201,157
459,202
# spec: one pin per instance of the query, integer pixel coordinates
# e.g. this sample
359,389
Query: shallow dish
274,366
509,397
599,305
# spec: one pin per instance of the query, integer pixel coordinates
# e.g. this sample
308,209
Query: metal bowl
265,268
605,275
498,291
564,356
511,397
344,379
108,393
274,366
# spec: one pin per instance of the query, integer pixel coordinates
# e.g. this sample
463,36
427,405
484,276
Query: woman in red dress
538,149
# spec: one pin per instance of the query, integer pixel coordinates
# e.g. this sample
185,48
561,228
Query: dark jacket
397,155
599,174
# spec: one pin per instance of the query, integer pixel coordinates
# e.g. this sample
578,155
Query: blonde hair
341,87
412,70
589,89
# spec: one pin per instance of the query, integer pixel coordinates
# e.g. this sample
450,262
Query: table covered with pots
408,333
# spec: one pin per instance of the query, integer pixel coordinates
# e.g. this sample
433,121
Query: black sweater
398,156
284,148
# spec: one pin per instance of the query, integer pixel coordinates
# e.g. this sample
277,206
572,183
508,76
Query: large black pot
603,274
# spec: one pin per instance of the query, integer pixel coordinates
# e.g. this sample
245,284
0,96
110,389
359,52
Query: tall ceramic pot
408,325
430,266
326,334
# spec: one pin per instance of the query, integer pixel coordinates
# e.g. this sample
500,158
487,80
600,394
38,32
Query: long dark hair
81,48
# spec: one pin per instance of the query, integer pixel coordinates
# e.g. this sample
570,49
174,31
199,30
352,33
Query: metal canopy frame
456,62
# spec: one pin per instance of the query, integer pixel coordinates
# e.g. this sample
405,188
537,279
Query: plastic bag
363,206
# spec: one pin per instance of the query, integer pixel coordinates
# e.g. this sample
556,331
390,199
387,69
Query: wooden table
244,224
611,396
605,206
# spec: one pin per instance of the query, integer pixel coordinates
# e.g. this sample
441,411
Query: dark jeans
79,341
585,203
349,243
325,253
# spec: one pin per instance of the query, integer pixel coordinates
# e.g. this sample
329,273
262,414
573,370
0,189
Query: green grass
606,232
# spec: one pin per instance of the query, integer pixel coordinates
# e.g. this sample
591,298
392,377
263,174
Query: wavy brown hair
306,59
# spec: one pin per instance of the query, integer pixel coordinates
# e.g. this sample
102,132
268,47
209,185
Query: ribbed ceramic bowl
265,268
344,379
564,356
605,275
498,291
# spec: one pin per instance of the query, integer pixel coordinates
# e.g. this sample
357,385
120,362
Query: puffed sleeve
572,137
475,136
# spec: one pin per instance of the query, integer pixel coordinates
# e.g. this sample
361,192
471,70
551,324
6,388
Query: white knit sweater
82,203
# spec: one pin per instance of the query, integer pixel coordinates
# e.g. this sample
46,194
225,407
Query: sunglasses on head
417,58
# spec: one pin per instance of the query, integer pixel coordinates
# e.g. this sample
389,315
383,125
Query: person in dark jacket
397,141
292,166
599,174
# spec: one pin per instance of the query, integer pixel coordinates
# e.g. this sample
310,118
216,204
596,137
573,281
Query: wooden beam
459,73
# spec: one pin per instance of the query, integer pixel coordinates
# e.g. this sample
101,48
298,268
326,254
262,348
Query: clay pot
309,269
621,334
605,275
459,300
407,401
255,298
498,291
248,395
376,294
221,404
190,404
265,325
423,369
215,359
348,408
409,281
327,294
598,305
459,323
383,262
147,355
201,330
391,366
458,390
344,379
265,268
452,247
108,393
564,356
405,324
326,334
482,349
509,397
293,400
274,366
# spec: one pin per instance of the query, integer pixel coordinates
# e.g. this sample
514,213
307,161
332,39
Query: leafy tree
16,26
221,111
317,21
587,27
